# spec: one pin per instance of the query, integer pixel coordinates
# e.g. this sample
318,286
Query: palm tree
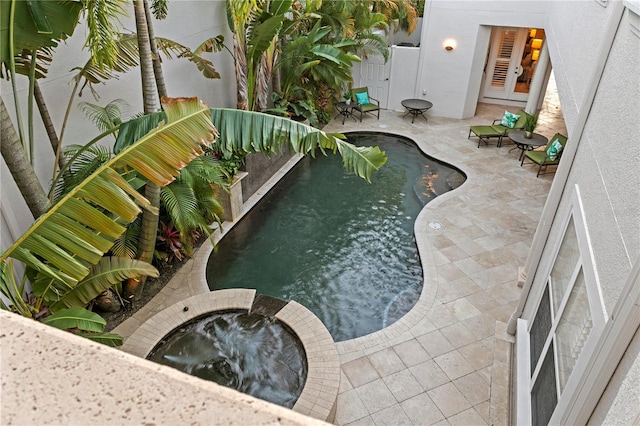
255,25
20,167
149,227
32,29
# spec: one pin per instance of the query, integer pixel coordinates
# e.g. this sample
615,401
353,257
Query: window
567,323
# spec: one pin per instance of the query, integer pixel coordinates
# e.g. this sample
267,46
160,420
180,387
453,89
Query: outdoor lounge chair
550,156
499,128
365,103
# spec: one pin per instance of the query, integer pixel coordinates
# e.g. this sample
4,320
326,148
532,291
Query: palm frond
44,57
92,214
160,8
105,117
181,203
126,245
102,20
9,289
81,167
205,66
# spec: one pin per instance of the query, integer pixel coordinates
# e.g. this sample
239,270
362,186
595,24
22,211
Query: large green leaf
78,318
85,324
248,131
13,294
37,24
108,339
97,209
109,271
256,132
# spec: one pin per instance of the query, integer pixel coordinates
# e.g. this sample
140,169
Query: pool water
341,247
251,353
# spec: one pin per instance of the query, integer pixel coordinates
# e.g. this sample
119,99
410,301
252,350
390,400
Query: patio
448,360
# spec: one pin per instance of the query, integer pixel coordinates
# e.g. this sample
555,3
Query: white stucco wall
606,166
189,22
607,163
575,35
70,380
452,78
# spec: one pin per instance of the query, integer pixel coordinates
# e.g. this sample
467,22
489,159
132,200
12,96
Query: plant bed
152,287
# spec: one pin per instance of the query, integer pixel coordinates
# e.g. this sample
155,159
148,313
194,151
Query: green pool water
341,247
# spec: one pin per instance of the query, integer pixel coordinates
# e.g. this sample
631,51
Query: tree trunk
263,77
48,124
239,54
155,55
20,167
149,91
133,288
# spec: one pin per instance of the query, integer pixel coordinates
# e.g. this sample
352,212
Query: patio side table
416,107
526,144
345,110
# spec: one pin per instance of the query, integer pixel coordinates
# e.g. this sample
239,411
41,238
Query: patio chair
365,103
549,156
499,128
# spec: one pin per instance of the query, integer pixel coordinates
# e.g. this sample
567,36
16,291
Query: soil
151,288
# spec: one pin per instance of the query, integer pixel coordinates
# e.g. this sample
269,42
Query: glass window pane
564,265
573,330
540,329
544,396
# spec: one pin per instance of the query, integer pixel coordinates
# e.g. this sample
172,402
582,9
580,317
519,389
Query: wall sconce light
535,55
536,43
449,44
533,32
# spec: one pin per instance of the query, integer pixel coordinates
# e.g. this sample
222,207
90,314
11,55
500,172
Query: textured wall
189,22
71,380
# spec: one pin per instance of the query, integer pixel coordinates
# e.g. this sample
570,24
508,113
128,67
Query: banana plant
249,131
85,324
63,245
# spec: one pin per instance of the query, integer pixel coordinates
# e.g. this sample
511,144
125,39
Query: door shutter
503,58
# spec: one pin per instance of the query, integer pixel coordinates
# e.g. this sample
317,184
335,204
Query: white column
537,83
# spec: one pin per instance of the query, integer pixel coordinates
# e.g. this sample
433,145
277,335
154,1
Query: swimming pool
339,246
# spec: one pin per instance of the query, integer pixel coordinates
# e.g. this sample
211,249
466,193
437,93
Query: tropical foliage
63,245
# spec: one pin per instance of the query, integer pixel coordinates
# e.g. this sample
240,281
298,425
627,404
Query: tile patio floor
447,361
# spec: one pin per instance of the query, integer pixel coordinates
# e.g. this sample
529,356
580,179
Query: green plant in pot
530,122
347,97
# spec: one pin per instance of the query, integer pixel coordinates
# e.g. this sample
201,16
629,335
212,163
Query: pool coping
319,395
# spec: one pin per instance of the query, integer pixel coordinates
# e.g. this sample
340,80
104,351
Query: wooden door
374,74
505,67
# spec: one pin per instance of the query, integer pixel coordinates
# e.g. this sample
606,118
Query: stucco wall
189,23
575,33
452,78
69,380
605,167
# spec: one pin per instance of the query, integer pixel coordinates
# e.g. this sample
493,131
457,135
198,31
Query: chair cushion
486,131
554,150
367,107
538,157
509,119
362,98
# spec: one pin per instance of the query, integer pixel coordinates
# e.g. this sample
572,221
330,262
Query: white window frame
566,406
